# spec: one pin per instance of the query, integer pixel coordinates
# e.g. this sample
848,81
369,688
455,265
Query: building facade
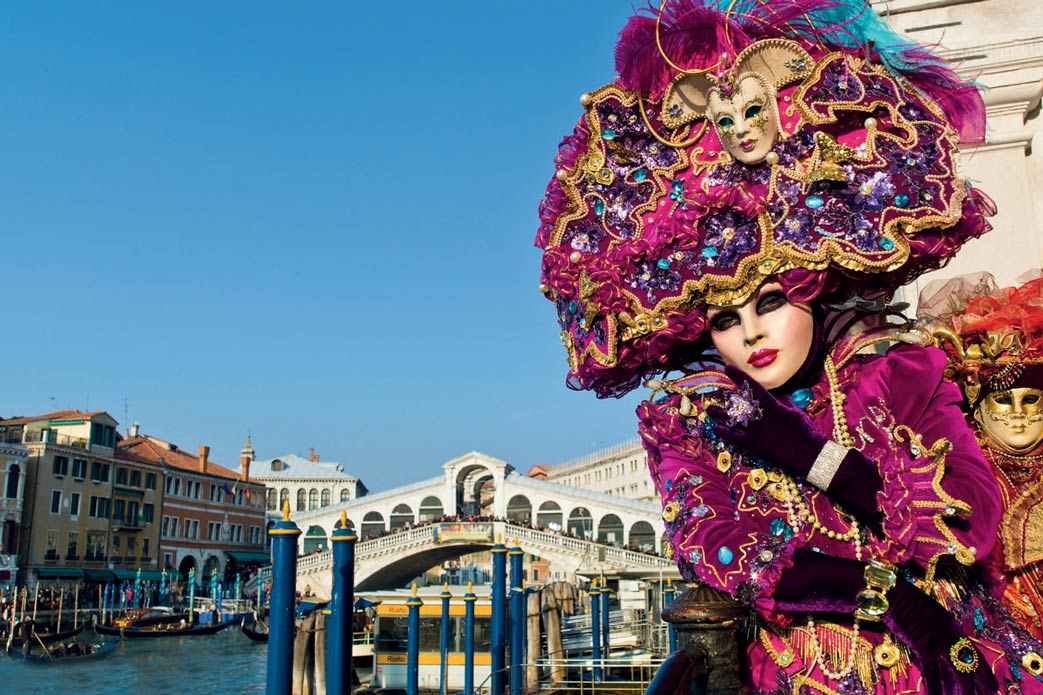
12,480
212,516
621,469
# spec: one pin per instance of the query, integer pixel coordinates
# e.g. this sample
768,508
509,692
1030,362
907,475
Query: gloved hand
822,584
779,432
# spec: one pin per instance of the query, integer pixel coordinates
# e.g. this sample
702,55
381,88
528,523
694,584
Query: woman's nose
752,330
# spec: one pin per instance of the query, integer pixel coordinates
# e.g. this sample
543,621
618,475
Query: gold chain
849,665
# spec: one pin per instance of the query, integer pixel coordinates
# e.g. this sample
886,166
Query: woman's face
1013,419
768,337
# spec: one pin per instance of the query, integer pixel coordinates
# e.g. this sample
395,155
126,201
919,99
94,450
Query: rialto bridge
478,499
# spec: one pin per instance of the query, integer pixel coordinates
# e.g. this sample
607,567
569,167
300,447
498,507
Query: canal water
226,663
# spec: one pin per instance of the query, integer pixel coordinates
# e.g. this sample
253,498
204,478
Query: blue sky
309,222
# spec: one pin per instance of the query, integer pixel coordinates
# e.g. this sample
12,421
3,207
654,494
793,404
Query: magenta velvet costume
849,186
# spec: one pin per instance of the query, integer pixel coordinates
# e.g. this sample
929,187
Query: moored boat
163,630
61,652
28,630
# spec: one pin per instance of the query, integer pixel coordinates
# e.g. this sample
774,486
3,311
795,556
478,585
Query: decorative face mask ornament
742,103
1012,419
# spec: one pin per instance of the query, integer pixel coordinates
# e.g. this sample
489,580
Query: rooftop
295,467
148,449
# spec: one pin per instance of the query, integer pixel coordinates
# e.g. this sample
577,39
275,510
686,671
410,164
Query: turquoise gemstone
663,264
901,200
966,655
725,555
573,308
599,206
777,527
669,485
814,202
608,134
641,174
802,398
979,619
710,252
886,244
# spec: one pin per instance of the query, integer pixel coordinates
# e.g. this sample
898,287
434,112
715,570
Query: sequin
814,202
802,398
710,252
573,308
641,174
599,207
901,200
663,264
979,619
608,134
669,485
725,555
778,527
886,244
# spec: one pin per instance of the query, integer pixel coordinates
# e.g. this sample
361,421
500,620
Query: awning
245,556
151,575
59,573
126,574
99,575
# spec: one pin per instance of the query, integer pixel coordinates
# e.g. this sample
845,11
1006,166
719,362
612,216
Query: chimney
134,429
312,456
244,462
204,454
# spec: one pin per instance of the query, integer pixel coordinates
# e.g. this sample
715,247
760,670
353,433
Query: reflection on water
227,663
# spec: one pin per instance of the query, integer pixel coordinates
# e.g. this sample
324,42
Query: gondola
15,642
165,630
93,651
257,635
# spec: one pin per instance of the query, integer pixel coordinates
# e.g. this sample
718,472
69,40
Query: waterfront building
621,469
12,485
67,492
307,484
212,516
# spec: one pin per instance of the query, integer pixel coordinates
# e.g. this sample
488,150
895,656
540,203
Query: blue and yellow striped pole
341,611
280,619
498,621
605,591
469,599
443,644
413,645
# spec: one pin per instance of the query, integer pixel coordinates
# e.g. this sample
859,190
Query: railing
612,553
52,437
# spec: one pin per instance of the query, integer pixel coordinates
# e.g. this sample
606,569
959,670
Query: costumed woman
995,342
760,176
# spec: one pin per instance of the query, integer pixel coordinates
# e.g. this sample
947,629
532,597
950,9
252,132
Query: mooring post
284,589
605,592
443,643
413,645
469,599
595,628
517,617
340,623
668,598
498,621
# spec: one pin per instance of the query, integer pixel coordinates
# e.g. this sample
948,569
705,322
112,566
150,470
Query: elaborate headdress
745,139
994,337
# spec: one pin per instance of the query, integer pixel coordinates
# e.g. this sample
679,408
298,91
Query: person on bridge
736,209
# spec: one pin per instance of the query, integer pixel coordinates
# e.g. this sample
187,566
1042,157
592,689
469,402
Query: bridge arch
519,508
401,516
431,508
372,525
549,516
581,523
315,538
610,530
642,536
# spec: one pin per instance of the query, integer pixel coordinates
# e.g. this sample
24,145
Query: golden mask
1012,419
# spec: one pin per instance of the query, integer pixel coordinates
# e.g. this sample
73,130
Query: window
284,497
132,543
74,505
345,495
79,468
168,561
121,475
61,466
173,526
213,531
119,510
95,549
103,435
313,498
150,481
52,545
144,548
302,497
255,535
325,497
100,472
56,505
115,545
132,513
165,526
215,493
99,507
73,547
135,478
13,474
273,499
148,513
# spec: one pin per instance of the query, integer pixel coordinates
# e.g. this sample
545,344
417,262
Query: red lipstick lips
763,357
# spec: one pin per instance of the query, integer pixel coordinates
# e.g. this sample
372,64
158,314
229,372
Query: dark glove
774,429
824,584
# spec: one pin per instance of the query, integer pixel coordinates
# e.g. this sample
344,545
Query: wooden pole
304,658
36,600
76,607
61,599
319,647
533,629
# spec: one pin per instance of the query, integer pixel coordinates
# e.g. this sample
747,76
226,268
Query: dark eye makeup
770,301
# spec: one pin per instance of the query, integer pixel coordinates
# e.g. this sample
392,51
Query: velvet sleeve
938,495
713,538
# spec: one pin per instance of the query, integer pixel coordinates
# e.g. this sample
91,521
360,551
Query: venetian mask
740,103
1012,419
746,122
